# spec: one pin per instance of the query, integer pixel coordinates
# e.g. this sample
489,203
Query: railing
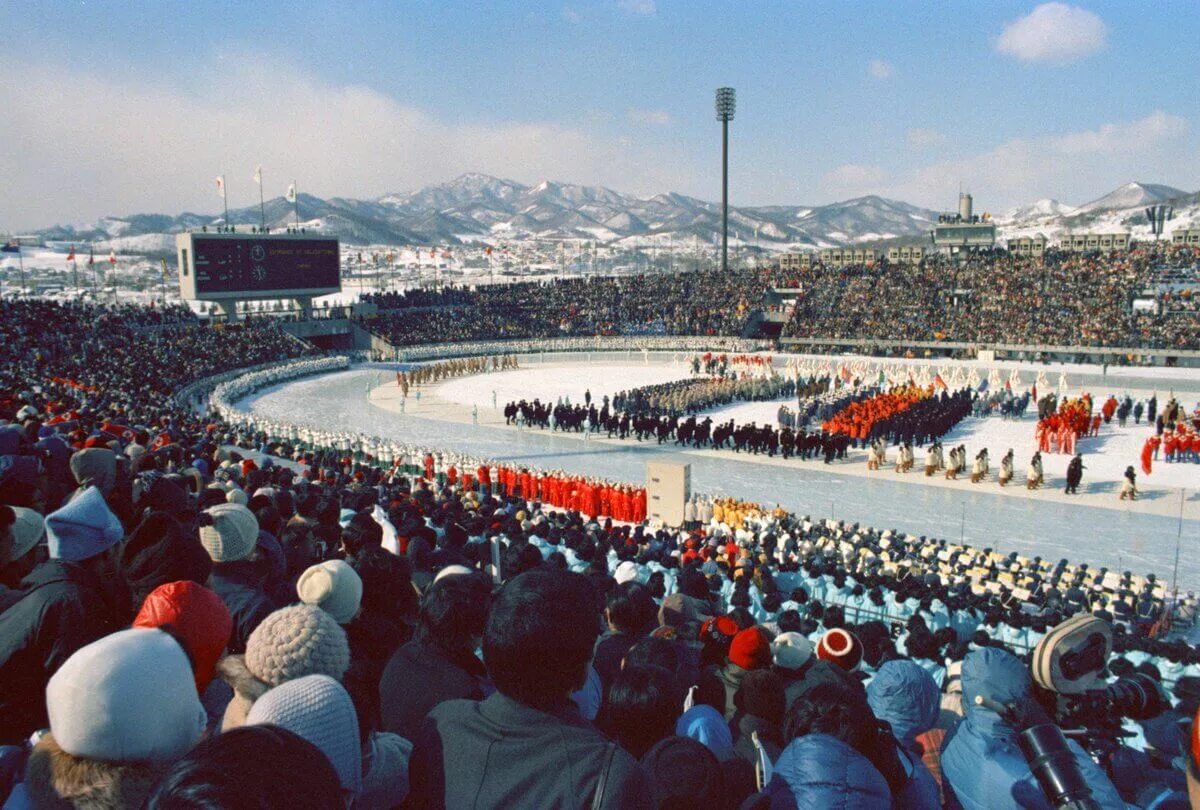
868,345
579,344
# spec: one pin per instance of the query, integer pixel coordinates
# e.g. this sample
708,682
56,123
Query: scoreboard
245,266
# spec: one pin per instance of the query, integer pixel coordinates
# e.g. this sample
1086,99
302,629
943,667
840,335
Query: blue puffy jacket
981,762
904,695
817,770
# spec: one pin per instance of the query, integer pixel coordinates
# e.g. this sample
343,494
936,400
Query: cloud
879,69
642,8
920,138
1053,32
119,144
571,15
656,118
1075,166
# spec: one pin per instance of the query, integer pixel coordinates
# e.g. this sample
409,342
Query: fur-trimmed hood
56,779
246,689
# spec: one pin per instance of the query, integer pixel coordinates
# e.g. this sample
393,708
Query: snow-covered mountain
479,208
1119,211
1132,195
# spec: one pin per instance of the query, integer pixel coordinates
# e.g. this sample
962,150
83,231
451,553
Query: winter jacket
239,584
817,770
981,762
420,676
63,607
501,753
903,694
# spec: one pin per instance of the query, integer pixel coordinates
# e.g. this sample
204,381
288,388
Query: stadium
548,496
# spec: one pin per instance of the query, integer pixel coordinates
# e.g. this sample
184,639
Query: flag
10,247
983,385
221,186
1033,392
71,254
258,175
112,258
291,192
488,251
1008,386
91,258
938,381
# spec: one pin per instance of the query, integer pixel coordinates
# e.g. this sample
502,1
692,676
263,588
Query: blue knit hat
82,528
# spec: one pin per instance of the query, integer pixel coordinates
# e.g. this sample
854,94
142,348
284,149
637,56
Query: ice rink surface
1052,527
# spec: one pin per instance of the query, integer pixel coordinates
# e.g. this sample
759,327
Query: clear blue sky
135,106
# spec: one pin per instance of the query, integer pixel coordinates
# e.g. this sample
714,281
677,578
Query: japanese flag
291,192
221,186
258,175
112,257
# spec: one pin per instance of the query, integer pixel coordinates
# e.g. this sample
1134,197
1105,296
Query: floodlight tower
726,104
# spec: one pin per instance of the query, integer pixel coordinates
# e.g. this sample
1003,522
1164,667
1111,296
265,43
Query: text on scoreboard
258,265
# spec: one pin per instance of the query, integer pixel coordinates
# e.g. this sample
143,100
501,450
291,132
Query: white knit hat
334,587
296,641
317,708
128,697
233,534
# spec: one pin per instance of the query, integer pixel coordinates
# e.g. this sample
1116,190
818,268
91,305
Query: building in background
1080,242
964,230
1028,245
1185,236
905,254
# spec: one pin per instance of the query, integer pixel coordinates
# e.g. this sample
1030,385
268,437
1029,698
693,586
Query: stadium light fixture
726,106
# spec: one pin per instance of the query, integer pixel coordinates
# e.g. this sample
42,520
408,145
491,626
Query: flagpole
21,264
262,205
225,198
296,203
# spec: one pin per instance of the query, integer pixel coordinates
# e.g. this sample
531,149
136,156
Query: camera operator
982,759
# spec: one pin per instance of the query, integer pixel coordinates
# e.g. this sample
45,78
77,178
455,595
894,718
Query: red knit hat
840,647
750,649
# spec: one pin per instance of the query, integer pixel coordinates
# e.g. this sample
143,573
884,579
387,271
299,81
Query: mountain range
479,208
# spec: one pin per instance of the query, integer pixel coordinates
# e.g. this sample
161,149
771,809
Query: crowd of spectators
1059,299
197,615
698,303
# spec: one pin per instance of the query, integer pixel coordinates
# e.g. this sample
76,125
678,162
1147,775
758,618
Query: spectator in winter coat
526,745
903,695
290,643
630,614
229,532
121,710
750,650
441,656
981,762
66,602
760,708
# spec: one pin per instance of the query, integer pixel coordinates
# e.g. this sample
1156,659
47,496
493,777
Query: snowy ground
549,382
1094,527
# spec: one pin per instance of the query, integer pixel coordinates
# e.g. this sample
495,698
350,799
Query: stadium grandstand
337,621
